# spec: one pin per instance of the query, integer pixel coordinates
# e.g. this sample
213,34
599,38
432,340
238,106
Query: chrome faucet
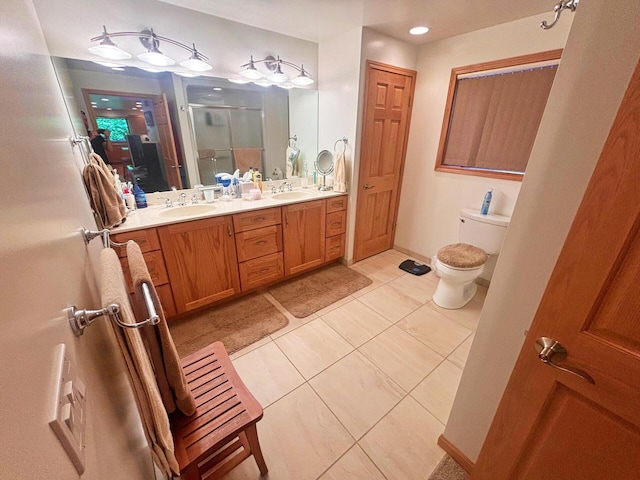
287,185
182,199
194,199
167,201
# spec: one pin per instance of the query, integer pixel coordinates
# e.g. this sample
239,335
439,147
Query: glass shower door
212,131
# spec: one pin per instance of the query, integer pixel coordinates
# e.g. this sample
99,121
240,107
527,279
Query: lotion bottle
486,202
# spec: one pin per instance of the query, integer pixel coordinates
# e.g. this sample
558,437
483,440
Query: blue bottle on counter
141,198
486,202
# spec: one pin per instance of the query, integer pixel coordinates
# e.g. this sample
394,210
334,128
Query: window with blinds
493,114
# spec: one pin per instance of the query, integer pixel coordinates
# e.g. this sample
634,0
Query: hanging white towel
340,174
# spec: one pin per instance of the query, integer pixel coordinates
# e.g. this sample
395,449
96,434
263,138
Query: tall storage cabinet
201,261
303,236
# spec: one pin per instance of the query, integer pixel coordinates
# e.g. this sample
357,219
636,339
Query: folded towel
247,157
340,174
155,420
292,155
162,351
103,196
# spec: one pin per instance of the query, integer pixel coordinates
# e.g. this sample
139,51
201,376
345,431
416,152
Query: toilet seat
462,256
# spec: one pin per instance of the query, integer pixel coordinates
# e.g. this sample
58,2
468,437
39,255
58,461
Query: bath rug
315,290
237,324
448,469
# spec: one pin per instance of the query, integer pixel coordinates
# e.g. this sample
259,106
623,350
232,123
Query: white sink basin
297,195
187,210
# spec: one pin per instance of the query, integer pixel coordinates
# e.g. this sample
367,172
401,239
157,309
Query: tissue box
246,187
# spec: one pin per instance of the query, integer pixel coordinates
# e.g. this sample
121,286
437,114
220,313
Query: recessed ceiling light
119,69
217,89
109,108
419,30
134,108
104,99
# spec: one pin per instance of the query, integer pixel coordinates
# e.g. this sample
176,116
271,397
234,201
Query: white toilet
459,264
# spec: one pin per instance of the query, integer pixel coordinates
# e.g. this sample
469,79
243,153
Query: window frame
521,60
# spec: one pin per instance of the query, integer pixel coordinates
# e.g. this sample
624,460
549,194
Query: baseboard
417,256
456,454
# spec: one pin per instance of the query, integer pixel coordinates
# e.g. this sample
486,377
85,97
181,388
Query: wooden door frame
373,65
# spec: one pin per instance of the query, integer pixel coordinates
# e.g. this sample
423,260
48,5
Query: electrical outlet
68,417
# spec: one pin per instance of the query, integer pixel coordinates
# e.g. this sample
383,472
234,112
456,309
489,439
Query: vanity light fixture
196,62
239,81
187,74
420,30
277,76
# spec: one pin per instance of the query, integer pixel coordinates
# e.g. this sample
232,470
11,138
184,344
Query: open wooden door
167,144
387,114
555,424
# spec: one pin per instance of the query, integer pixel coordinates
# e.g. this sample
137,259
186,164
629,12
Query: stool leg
252,437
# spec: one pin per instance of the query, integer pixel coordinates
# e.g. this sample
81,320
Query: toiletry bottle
141,198
486,202
304,181
258,180
129,199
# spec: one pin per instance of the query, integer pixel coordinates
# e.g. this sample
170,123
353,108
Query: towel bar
344,140
81,319
89,235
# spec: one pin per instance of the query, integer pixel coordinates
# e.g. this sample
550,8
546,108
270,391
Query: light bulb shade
157,58
263,83
286,86
151,69
239,81
278,76
108,49
251,73
107,64
196,63
302,80
187,74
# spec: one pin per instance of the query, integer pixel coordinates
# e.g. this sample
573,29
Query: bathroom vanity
201,254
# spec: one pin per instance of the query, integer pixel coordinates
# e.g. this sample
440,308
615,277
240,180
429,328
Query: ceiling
317,20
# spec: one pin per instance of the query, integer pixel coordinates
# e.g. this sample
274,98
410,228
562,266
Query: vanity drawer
166,299
155,264
261,271
257,219
335,204
334,247
336,223
258,243
147,240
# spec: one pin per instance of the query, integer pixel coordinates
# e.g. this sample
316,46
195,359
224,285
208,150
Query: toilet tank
483,231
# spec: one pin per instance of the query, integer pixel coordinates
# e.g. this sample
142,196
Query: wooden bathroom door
555,424
167,141
387,115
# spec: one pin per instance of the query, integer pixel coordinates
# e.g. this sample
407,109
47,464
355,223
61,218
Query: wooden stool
207,443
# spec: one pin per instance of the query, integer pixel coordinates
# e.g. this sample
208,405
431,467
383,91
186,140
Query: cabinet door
303,236
201,261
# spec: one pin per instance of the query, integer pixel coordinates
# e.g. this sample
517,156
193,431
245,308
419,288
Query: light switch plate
68,416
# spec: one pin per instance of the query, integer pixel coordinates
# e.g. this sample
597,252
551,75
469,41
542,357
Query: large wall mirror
492,115
169,131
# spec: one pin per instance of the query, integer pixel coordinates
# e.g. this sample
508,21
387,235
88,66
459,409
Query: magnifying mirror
324,166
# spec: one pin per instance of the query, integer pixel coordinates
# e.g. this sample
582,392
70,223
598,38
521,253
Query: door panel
550,423
303,236
167,144
387,115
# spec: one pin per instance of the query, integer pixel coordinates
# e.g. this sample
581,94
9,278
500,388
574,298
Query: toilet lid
462,255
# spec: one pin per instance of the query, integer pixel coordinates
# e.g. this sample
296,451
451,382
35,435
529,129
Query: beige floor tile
460,354
375,284
403,444
406,360
357,392
396,257
300,438
466,316
268,374
390,303
434,329
334,305
437,391
356,322
379,269
293,321
313,347
249,348
420,288
354,465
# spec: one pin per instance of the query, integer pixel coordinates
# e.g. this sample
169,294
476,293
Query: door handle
366,186
229,230
549,349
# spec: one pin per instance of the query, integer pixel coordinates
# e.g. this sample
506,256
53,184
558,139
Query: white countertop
152,216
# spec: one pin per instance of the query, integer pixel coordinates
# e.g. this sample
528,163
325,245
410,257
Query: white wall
339,68
303,123
45,267
431,201
583,101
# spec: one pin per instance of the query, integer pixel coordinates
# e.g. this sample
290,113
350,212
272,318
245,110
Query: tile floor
362,389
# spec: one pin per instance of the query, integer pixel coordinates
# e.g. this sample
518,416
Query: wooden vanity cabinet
150,246
259,247
303,236
336,226
201,261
